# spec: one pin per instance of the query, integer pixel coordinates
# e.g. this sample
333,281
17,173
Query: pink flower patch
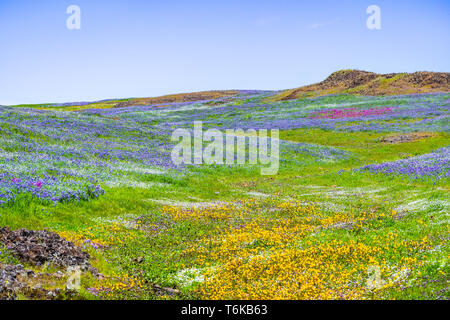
38,184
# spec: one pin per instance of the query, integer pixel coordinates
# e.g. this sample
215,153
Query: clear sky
148,48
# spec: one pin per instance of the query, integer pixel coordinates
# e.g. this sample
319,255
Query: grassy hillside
358,209
120,103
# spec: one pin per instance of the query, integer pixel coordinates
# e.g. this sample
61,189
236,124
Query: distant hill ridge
180,97
370,83
340,82
120,103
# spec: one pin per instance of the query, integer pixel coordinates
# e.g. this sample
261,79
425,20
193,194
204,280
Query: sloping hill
119,103
181,97
369,83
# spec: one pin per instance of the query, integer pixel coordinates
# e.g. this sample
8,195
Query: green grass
307,181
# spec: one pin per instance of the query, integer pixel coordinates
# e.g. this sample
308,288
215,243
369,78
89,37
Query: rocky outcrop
369,83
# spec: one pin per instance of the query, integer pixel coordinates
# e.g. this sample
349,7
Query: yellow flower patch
276,256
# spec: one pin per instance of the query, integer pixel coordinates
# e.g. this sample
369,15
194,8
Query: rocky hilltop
369,83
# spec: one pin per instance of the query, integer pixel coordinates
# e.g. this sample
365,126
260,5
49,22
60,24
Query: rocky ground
373,84
406,137
37,249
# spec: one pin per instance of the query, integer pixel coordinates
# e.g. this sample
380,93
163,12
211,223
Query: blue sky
150,48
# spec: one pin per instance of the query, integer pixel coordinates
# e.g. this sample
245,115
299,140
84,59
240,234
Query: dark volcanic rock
41,247
13,280
10,282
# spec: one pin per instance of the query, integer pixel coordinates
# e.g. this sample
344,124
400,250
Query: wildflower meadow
357,208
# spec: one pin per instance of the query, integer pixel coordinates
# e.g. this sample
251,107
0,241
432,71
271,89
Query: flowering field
358,209
435,165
